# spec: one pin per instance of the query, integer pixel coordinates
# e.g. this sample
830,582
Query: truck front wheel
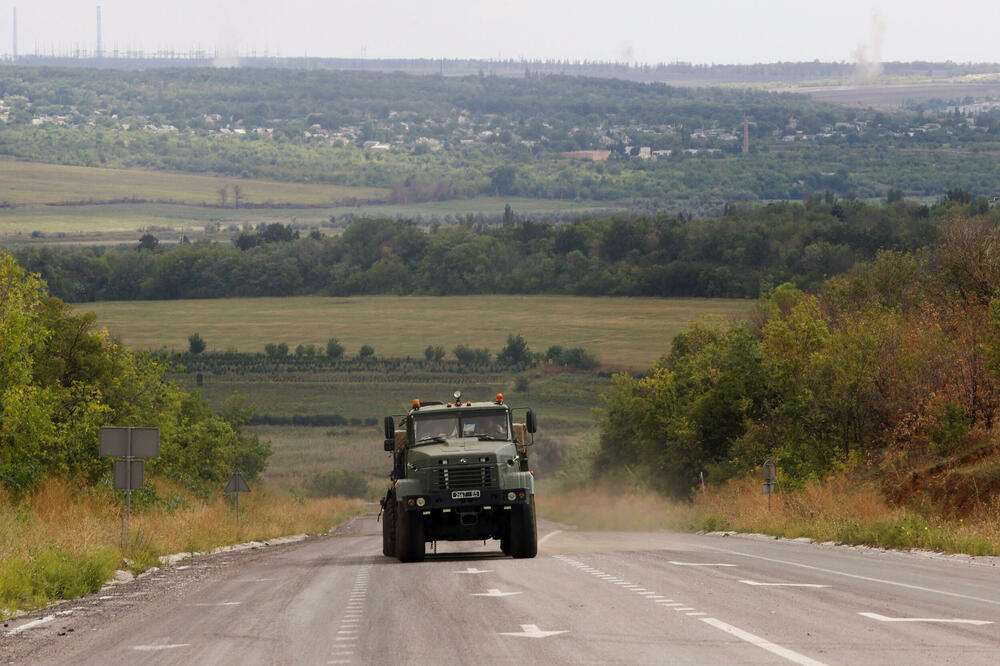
389,527
409,535
523,536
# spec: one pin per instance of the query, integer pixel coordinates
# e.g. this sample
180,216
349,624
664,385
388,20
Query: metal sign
237,484
769,471
145,442
129,474
130,442
770,487
114,442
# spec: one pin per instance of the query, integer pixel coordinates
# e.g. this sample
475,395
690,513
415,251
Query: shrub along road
637,598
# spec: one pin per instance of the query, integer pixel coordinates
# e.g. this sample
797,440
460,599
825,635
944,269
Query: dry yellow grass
836,509
64,541
627,332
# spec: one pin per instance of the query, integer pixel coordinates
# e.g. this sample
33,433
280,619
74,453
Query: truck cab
460,473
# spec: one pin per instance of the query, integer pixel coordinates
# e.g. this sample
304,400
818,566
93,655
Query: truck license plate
464,494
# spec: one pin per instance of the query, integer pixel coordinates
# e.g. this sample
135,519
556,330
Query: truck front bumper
452,500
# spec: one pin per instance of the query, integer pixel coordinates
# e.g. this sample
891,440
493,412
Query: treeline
746,252
61,380
291,102
278,358
894,365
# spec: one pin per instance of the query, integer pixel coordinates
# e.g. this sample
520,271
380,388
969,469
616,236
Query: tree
334,350
237,195
516,352
366,352
195,344
508,215
223,196
148,242
246,240
502,180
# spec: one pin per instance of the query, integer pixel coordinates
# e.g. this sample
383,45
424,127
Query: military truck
460,473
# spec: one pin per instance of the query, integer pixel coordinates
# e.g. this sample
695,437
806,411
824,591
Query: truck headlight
511,496
421,501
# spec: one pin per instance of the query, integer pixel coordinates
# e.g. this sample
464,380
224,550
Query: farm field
35,183
562,401
621,332
893,96
32,188
103,223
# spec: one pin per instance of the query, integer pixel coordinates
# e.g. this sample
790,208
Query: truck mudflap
471,500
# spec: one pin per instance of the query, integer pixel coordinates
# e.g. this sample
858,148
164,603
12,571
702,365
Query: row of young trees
61,380
747,251
897,361
515,354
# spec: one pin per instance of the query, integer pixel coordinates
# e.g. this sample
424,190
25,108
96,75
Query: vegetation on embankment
893,367
62,541
837,509
60,523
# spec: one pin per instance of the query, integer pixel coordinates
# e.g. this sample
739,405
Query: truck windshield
485,426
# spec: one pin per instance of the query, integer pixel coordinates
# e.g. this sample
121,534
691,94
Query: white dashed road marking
755,583
883,618
690,611
154,648
342,651
790,655
29,625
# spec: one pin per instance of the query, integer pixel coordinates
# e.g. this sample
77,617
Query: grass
63,542
115,223
31,185
622,332
836,510
34,183
562,401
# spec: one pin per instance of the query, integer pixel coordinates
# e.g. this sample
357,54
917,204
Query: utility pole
746,135
15,34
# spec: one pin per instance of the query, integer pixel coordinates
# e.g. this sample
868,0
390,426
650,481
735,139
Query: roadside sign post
770,473
132,445
237,484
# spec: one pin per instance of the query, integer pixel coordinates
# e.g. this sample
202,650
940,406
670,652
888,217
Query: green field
621,332
37,183
562,401
194,204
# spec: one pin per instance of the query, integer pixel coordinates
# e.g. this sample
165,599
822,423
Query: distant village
408,131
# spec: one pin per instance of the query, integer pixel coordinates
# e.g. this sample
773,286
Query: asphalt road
588,598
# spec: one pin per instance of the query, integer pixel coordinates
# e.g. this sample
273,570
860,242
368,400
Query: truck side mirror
531,422
389,444
390,428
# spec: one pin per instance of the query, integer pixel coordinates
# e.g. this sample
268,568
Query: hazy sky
701,31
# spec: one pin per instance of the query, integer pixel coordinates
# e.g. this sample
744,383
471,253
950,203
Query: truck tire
389,528
523,538
409,535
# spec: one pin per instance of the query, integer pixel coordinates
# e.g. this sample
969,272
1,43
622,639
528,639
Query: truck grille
464,478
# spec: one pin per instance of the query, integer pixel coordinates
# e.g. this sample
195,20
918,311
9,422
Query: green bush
196,344
53,573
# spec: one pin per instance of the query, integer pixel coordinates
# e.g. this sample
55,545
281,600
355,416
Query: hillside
427,138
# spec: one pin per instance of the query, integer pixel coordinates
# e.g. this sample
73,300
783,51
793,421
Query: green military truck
460,473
